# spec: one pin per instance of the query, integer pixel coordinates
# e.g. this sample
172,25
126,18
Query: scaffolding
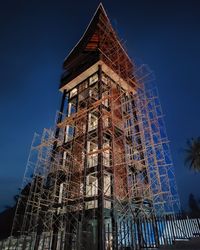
106,160
58,190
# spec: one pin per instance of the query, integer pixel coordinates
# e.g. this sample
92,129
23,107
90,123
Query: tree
193,205
192,159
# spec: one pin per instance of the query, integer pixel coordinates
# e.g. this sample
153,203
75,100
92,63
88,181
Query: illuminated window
91,186
106,153
93,121
91,204
64,159
60,193
73,92
107,185
105,121
92,156
71,108
93,79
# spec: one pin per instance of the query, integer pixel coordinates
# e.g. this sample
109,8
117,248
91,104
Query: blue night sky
35,37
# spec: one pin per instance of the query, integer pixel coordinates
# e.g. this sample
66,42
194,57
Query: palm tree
192,159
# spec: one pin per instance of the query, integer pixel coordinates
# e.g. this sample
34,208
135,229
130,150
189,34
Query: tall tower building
107,160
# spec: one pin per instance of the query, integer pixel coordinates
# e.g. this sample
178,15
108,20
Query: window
107,204
80,128
83,95
73,92
105,78
92,157
93,92
83,86
93,78
69,132
64,159
67,160
91,204
105,121
106,153
71,108
81,189
60,193
106,158
93,121
106,101
91,186
107,187
92,160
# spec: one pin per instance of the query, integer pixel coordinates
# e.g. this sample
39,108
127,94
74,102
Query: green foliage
192,159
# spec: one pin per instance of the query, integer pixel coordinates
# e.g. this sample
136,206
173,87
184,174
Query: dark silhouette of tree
192,159
7,216
6,219
193,205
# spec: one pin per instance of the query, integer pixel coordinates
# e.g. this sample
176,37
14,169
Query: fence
138,233
155,231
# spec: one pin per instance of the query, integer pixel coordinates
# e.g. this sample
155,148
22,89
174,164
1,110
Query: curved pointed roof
99,43
98,33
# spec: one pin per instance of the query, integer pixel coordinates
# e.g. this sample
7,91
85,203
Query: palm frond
192,154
